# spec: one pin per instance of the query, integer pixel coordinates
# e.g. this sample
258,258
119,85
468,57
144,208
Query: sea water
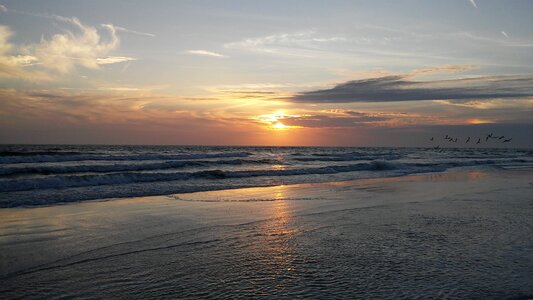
47,174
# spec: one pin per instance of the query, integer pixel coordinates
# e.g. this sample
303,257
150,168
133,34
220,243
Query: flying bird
507,140
468,140
473,2
478,141
501,137
431,139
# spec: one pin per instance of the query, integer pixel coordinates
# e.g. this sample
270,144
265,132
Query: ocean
415,223
32,175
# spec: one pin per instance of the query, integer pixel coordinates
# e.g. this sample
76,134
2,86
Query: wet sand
443,235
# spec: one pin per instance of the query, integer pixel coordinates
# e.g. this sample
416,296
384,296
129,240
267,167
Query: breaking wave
44,175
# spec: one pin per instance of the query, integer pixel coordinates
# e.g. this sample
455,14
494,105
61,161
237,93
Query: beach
457,234
239,149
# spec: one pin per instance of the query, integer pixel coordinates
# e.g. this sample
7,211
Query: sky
277,73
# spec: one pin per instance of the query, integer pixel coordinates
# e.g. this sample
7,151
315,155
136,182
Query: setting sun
273,121
279,126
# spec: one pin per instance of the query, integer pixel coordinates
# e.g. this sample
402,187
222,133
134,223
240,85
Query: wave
47,170
33,153
69,181
347,157
95,157
77,173
124,178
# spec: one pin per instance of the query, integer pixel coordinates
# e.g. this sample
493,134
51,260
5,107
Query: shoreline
450,171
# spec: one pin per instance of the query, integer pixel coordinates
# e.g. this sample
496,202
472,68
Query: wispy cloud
83,47
13,65
113,60
505,34
401,88
491,40
61,53
205,53
345,118
473,2
122,29
493,104
349,119
118,116
291,44
78,45
70,20
444,69
121,89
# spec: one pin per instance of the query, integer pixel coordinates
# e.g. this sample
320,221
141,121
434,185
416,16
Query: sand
443,235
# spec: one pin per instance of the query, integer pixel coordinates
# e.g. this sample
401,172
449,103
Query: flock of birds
490,136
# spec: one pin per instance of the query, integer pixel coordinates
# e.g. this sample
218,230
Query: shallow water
445,236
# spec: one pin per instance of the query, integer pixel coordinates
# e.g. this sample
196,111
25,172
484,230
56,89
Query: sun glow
274,120
479,121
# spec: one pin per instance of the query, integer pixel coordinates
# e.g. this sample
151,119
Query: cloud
3,9
113,60
13,66
489,40
115,117
122,29
345,118
492,104
291,44
473,2
205,53
444,69
80,45
326,121
83,47
252,95
121,89
5,34
400,88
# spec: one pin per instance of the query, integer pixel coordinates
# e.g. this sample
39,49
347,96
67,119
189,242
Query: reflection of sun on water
274,250
278,167
479,121
281,231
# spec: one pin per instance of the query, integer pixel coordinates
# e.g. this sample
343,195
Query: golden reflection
473,175
278,167
281,212
274,250
280,233
479,121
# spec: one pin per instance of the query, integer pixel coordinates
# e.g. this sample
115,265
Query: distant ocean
48,174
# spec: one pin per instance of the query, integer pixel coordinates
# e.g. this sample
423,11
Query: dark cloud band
399,88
